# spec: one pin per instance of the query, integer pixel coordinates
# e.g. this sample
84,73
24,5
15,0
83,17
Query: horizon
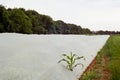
95,15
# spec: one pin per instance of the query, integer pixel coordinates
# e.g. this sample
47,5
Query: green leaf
64,60
78,64
70,60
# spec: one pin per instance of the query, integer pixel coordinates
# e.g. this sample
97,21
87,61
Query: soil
101,68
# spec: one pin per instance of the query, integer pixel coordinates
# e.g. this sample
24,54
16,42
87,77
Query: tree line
101,32
19,20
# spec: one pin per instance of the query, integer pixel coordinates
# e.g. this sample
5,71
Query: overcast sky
92,14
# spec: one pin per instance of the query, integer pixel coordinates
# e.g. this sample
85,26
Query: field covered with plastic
35,57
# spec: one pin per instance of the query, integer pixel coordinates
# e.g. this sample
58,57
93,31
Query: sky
92,14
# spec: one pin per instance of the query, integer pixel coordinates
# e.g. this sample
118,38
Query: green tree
4,20
47,22
37,26
20,22
86,31
30,21
1,28
74,29
61,27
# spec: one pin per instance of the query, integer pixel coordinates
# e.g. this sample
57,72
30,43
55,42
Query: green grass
114,55
90,75
111,50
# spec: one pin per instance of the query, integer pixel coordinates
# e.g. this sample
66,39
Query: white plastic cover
35,57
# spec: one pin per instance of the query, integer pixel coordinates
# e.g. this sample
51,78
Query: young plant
71,60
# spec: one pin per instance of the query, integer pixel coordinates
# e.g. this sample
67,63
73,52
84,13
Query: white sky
92,14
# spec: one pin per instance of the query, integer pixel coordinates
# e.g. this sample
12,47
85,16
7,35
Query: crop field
107,65
35,57
59,40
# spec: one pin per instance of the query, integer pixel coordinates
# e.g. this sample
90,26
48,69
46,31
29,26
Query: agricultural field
35,57
59,40
106,66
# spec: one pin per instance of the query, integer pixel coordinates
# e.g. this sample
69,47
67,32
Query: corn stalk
70,60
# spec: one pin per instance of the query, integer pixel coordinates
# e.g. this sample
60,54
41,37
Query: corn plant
70,60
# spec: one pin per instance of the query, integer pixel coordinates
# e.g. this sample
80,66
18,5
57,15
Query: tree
86,31
39,30
4,20
20,22
61,27
37,26
46,21
74,29
1,28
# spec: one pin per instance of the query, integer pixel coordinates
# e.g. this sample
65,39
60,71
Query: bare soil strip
102,72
